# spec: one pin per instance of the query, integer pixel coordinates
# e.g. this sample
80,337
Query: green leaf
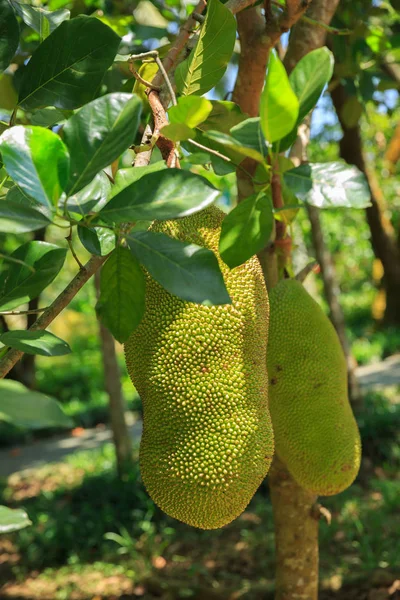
35,342
13,519
190,110
125,177
16,218
309,77
171,194
178,132
17,196
97,240
76,56
249,134
279,107
208,60
232,148
185,270
26,408
246,229
47,117
9,34
223,117
92,197
98,134
40,20
329,185
30,269
37,160
122,294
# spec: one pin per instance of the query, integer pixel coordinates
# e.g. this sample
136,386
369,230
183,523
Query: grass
93,534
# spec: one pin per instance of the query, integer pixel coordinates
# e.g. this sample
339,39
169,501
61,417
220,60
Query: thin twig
328,28
209,150
13,356
153,86
137,76
69,240
199,18
12,313
167,81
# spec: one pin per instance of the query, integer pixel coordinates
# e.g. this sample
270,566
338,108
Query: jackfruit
316,435
201,372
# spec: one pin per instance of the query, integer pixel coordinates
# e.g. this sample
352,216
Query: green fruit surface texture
201,373
316,434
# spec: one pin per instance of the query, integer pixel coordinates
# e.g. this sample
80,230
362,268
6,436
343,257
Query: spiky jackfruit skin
201,373
316,434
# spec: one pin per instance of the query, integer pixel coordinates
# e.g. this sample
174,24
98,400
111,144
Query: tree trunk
296,536
383,238
121,437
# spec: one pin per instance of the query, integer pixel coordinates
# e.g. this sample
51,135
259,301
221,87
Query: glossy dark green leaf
97,240
13,519
329,185
246,229
208,60
28,270
98,134
309,77
35,342
17,196
279,106
122,294
29,409
47,117
190,110
185,270
37,160
40,20
15,218
125,177
172,193
9,34
76,56
92,197
249,134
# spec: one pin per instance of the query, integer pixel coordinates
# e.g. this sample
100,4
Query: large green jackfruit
201,373
316,434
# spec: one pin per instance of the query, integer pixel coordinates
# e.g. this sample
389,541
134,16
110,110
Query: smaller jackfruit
316,435
201,373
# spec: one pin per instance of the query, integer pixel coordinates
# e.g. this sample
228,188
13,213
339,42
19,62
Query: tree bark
296,527
121,437
383,238
296,536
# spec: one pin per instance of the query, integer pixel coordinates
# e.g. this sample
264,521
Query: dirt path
30,456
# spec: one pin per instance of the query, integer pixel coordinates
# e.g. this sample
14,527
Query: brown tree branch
307,36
